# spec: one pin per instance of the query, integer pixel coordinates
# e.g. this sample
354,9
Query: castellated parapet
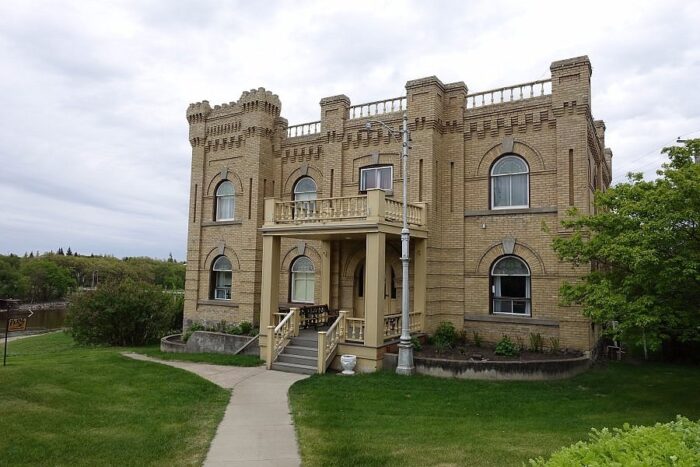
457,138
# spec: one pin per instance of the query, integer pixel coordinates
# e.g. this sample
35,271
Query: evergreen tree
69,252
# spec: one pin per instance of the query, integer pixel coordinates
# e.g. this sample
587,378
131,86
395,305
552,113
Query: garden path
257,428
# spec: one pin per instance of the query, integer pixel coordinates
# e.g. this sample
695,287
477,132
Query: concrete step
284,357
305,351
294,368
304,342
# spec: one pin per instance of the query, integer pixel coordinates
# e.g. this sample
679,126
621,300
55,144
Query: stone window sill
224,303
504,319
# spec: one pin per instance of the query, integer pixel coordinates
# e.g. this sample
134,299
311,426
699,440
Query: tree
47,281
69,252
644,245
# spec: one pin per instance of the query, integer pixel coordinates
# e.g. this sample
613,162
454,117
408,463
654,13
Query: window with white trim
221,278
510,183
510,286
305,197
225,201
303,280
381,177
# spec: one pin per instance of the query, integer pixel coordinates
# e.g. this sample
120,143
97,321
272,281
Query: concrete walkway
257,427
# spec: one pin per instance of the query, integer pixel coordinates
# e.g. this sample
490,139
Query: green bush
506,348
536,342
675,443
477,339
127,313
415,343
445,336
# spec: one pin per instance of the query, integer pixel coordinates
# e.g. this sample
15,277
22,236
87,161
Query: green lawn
72,406
213,358
384,419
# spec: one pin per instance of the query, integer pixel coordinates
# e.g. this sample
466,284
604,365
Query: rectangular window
377,177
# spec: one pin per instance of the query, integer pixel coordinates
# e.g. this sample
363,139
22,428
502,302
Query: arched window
221,276
304,197
303,280
509,183
510,286
225,201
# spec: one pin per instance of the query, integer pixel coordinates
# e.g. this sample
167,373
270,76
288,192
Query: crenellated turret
197,116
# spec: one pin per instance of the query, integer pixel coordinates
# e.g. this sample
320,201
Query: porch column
374,288
420,278
326,272
270,286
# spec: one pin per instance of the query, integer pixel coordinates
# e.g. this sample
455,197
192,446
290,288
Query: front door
390,292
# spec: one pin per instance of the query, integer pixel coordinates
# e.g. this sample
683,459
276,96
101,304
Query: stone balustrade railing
393,323
355,330
394,212
509,94
343,208
303,129
371,109
374,205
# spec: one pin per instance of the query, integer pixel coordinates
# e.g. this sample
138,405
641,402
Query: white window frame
377,171
496,293
309,276
218,272
218,200
510,184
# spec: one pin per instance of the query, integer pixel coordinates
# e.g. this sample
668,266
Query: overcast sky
93,137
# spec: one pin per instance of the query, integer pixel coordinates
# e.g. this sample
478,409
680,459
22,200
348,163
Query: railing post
342,329
270,210
321,368
295,320
376,205
270,346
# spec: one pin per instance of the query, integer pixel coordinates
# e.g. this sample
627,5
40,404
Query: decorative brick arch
228,252
232,177
533,158
354,260
293,253
311,171
521,250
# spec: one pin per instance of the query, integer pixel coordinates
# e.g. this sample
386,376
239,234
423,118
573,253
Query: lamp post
405,364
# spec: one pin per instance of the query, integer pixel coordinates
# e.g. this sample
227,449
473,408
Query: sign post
15,320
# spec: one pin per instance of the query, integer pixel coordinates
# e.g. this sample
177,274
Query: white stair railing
278,336
328,342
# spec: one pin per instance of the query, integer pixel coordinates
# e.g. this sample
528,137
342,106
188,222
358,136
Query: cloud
93,140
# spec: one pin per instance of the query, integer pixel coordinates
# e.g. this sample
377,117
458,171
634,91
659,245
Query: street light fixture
405,364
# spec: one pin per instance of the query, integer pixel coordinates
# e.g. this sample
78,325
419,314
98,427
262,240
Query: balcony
346,214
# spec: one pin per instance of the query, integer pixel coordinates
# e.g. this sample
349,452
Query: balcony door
391,304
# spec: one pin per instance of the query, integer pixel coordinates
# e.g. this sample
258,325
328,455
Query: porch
369,321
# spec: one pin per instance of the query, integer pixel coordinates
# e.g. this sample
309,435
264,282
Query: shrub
477,339
554,344
246,328
673,443
445,336
417,346
125,313
536,342
506,348
191,330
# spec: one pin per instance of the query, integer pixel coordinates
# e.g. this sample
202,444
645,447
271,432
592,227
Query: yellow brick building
283,216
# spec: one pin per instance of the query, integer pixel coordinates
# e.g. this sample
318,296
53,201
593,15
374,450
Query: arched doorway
391,304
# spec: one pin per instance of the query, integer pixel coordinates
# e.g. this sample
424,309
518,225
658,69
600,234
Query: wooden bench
315,316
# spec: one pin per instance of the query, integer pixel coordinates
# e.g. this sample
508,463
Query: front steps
300,356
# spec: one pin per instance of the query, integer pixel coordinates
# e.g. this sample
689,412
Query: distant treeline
51,276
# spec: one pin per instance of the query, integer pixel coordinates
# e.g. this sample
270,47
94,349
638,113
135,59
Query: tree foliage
124,313
644,247
51,276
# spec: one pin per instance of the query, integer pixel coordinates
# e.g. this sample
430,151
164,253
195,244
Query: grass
67,405
385,419
212,358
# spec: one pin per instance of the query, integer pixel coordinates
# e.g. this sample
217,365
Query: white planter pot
348,363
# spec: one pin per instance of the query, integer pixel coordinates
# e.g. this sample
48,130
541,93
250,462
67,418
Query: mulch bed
473,353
